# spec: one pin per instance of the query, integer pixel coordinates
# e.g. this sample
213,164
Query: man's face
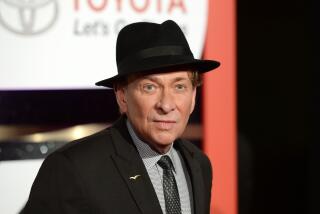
158,106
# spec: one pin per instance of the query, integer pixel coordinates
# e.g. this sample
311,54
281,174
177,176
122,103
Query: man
139,164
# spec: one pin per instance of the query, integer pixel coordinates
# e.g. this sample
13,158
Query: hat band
155,52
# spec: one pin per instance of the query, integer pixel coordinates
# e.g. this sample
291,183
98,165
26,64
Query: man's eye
149,88
180,87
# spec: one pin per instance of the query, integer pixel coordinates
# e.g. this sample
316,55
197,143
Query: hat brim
201,66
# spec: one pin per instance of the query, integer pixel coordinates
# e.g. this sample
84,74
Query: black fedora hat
145,47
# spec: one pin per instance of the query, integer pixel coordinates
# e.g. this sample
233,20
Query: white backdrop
70,44
16,178
66,44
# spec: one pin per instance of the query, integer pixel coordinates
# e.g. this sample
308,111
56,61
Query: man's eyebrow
177,79
156,79
150,78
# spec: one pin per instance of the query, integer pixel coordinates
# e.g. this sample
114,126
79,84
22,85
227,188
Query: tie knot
165,162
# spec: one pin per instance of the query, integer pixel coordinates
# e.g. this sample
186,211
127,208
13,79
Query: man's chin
162,143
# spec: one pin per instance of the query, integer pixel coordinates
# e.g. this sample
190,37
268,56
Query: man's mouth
165,124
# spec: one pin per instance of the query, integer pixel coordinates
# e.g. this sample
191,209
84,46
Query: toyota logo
28,17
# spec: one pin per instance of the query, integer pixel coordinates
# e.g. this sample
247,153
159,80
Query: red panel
219,113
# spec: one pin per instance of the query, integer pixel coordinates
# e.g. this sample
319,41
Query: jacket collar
132,169
194,169
130,164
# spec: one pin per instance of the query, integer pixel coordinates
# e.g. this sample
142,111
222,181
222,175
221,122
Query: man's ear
120,93
194,93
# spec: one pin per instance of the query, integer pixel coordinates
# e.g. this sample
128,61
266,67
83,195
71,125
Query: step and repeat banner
65,44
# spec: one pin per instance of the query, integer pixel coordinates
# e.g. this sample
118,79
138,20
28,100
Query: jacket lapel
195,173
133,171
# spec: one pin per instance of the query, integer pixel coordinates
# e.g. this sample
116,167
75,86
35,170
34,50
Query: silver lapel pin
134,177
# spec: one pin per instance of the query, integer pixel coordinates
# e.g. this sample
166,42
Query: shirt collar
148,155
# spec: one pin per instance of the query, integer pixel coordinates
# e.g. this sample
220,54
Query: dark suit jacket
91,175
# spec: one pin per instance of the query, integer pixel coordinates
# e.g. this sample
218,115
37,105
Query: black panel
274,105
57,107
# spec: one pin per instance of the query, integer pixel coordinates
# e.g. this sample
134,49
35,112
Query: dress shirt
150,159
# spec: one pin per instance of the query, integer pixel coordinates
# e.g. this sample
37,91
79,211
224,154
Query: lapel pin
134,177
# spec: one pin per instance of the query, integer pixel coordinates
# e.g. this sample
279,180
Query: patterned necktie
170,189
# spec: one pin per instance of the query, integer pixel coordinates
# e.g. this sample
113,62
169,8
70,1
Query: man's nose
166,102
